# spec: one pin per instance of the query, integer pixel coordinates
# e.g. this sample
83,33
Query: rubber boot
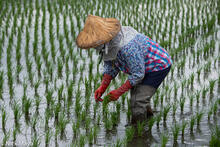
140,102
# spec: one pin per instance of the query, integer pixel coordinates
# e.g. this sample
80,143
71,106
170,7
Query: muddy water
201,134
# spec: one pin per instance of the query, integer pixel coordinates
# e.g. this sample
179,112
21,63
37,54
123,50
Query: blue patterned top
141,55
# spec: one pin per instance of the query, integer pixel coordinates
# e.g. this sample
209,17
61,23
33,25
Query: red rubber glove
115,94
105,82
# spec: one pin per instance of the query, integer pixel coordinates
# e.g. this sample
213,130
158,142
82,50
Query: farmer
124,49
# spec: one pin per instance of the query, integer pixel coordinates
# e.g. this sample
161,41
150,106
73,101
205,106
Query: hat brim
97,31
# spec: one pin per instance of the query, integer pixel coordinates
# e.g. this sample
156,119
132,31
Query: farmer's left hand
115,94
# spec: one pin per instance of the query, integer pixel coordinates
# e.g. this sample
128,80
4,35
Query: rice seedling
192,77
82,140
105,105
5,139
140,128
114,118
59,68
17,114
183,127
129,133
211,86
75,128
198,73
191,100
95,107
27,106
183,84
182,102
70,93
119,143
192,123
83,116
48,135
151,123
156,99
214,141
36,86
128,111
161,99
175,90
165,112
4,119
49,98
90,136
78,106
199,118
158,119
197,96
215,107
87,124
1,84
118,108
46,118
108,125
14,134
35,141
174,108
164,139
39,65
175,131
95,132
63,121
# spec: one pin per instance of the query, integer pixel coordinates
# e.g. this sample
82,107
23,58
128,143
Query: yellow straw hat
97,31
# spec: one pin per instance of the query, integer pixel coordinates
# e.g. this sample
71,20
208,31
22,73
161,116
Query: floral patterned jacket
139,56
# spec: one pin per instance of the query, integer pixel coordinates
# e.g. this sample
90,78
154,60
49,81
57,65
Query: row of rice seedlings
9,67
18,56
35,43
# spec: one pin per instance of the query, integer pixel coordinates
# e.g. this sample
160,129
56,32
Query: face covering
110,49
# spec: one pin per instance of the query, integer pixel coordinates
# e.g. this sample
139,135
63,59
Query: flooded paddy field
47,84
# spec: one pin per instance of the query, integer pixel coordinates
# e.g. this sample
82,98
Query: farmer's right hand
105,82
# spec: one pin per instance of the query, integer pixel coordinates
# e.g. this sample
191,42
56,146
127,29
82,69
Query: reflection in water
146,140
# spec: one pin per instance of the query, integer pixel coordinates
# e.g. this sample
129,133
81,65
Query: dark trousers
155,78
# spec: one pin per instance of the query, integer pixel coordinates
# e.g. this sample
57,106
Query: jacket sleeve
135,63
110,69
